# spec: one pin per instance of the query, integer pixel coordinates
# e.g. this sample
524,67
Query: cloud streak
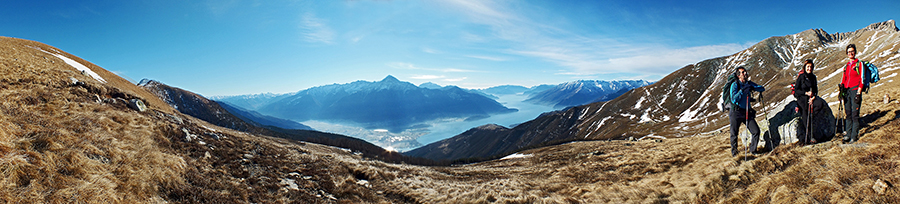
579,54
409,66
313,29
427,77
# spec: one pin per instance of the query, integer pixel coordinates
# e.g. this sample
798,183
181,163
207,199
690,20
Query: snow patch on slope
76,65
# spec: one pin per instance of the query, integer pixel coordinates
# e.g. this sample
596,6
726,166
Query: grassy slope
689,170
59,145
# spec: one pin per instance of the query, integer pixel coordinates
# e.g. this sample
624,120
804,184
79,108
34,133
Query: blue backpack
871,75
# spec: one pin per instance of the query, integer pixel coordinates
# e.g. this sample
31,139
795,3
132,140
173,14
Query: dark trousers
851,109
806,130
738,117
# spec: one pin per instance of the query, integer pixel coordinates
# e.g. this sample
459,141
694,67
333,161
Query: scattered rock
213,135
363,183
137,104
248,156
597,153
887,99
881,186
188,136
289,184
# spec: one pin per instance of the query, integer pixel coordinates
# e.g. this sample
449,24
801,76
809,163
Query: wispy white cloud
404,65
499,59
427,77
221,7
456,79
579,54
430,51
313,29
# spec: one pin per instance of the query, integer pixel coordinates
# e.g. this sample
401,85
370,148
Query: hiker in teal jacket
741,112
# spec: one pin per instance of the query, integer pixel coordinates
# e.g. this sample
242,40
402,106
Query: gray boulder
137,105
784,124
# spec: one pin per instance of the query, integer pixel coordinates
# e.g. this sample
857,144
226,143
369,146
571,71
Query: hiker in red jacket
852,87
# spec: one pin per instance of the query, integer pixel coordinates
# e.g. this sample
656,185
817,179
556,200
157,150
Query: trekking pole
808,118
747,125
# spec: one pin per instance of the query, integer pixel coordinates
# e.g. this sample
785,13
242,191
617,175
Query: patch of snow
645,117
652,136
889,76
516,156
208,128
688,116
637,105
76,65
629,116
835,73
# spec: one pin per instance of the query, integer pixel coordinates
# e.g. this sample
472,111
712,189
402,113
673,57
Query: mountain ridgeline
387,104
686,102
583,92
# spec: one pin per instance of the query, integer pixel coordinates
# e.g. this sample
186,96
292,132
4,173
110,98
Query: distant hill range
387,104
216,113
583,92
686,102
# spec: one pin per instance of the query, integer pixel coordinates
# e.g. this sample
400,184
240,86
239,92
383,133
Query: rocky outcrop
785,125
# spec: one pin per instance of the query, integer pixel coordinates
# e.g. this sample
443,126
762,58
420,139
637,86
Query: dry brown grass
685,170
58,144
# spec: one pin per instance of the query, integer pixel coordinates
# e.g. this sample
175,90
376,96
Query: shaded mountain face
686,102
583,92
262,120
387,104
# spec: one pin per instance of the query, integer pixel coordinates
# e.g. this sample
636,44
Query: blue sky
229,47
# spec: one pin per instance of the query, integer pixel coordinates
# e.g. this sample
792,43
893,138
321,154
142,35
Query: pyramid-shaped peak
390,78
887,25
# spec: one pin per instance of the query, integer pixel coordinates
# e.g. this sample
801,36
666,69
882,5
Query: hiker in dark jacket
852,87
741,112
806,89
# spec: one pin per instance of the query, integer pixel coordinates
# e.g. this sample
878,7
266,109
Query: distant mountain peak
390,78
887,25
429,85
491,127
145,82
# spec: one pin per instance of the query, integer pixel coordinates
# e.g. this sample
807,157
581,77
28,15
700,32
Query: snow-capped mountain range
583,92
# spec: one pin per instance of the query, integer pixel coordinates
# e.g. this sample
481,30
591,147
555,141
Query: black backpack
726,92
